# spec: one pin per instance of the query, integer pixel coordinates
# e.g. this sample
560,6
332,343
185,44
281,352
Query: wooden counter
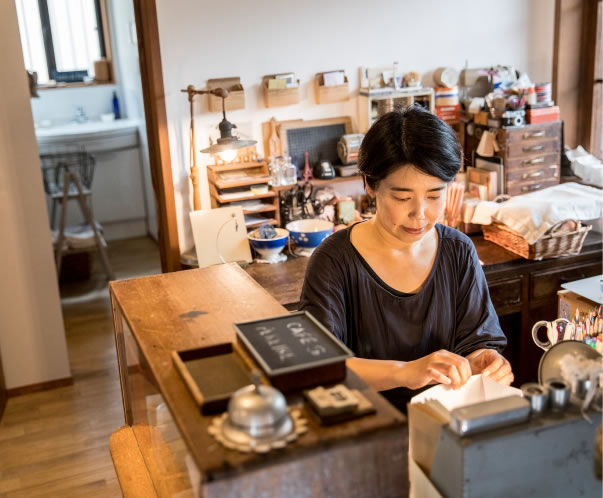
156,315
522,291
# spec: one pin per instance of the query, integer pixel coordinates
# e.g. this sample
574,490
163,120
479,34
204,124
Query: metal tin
559,393
537,395
488,415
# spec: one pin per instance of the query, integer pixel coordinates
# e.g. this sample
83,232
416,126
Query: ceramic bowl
268,248
308,234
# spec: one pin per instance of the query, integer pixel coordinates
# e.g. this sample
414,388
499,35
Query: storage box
212,374
236,94
275,97
330,94
543,115
448,112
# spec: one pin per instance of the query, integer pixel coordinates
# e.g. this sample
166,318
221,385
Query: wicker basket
551,245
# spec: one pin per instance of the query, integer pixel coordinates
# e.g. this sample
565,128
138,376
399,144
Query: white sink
95,136
90,127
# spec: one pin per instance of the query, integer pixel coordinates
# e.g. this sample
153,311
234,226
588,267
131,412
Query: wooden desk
522,291
156,315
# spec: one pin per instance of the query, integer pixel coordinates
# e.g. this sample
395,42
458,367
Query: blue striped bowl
268,248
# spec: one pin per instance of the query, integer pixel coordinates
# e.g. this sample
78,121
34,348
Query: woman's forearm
379,374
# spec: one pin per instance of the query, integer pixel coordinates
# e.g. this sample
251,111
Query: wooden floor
56,443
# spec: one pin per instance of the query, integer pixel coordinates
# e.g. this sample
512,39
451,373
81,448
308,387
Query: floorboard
56,443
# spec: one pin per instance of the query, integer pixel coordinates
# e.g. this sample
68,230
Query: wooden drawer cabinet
545,284
531,157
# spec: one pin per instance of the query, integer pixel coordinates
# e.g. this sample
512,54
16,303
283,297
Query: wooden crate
235,99
277,97
330,94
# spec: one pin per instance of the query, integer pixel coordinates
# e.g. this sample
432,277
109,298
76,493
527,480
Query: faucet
80,115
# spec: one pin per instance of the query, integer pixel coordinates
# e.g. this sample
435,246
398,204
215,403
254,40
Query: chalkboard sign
290,343
319,141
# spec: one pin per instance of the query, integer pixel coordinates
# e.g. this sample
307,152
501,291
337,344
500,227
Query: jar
289,172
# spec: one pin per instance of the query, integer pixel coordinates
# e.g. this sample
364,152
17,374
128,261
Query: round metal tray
550,363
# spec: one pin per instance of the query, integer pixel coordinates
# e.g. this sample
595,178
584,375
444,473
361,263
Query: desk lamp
226,145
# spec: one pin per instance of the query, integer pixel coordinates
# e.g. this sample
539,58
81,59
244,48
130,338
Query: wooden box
330,94
294,351
276,97
236,94
212,374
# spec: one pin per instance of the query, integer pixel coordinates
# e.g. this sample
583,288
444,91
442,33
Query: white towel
533,214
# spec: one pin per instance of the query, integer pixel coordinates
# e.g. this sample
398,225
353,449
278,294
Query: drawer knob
529,188
533,148
540,172
534,134
538,160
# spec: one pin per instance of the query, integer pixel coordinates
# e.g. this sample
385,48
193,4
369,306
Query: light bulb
227,155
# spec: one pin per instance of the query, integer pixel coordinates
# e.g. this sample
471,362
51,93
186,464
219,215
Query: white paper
334,78
477,389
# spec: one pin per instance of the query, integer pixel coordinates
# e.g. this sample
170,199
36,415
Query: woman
406,294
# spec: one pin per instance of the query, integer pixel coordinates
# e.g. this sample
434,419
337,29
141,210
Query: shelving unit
226,180
319,183
372,103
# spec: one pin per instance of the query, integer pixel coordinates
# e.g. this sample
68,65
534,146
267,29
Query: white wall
32,336
201,39
127,67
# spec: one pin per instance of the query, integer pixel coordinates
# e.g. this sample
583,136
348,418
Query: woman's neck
389,242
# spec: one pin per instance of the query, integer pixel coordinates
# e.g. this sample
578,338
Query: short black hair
409,136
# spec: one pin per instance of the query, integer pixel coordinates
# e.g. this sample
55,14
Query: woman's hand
441,367
491,363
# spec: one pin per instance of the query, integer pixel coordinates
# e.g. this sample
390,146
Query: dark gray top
452,311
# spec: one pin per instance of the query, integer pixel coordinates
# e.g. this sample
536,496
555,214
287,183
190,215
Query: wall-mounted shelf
333,93
373,103
276,97
236,94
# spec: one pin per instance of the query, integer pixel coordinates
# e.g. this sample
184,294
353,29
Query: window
61,38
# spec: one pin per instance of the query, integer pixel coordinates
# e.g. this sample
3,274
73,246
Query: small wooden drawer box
276,97
330,94
236,94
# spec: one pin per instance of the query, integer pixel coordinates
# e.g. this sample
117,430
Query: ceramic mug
552,332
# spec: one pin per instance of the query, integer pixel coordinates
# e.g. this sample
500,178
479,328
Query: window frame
104,41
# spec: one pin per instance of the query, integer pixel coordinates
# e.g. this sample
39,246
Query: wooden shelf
272,221
317,181
221,200
235,166
222,184
269,208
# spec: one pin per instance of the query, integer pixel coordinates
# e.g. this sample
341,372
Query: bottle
275,171
116,106
289,172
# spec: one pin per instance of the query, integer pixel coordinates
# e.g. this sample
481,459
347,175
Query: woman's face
409,203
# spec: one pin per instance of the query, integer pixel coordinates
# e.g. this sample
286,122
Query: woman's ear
370,192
